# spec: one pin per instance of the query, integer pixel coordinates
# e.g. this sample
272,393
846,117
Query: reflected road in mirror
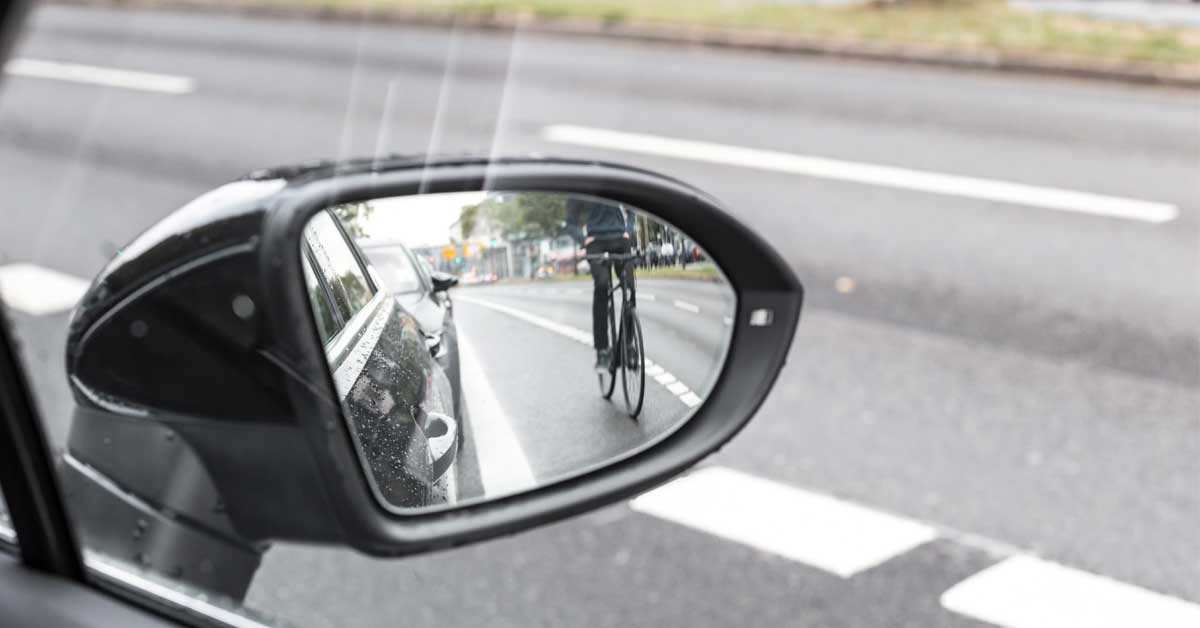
484,344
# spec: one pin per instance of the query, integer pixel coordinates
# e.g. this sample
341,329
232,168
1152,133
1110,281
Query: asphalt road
1023,379
526,347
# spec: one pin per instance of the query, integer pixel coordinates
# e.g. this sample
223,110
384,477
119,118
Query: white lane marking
663,377
817,530
95,75
648,297
727,320
1028,592
503,466
871,174
678,388
688,307
37,290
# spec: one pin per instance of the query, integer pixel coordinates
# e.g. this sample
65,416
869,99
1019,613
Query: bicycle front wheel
633,362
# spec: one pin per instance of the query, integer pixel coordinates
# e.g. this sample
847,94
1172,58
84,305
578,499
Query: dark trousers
602,282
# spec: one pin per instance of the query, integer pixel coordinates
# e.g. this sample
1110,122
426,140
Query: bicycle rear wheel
608,379
633,362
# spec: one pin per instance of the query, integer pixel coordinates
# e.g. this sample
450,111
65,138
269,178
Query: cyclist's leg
601,283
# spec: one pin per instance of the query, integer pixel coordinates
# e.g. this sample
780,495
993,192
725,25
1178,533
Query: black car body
423,293
404,418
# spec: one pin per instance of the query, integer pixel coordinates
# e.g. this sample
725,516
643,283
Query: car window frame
343,343
45,537
326,291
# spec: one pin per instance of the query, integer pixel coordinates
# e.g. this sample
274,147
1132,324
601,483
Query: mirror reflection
488,343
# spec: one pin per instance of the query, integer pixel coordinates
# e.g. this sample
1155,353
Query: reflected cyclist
602,227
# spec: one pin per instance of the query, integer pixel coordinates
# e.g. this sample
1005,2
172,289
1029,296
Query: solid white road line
687,307
36,290
1028,592
817,530
871,174
503,466
678,389
95,75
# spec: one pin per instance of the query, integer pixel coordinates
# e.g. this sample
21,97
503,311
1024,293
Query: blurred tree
354,217
523,216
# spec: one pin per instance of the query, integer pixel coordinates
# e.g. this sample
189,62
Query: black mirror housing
200,332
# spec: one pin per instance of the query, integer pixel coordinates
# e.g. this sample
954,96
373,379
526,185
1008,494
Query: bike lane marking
1029,592
37,290
654,371
96,75
503,465
818,530
978,188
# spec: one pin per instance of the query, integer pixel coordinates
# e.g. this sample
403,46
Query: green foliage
353,217
527,215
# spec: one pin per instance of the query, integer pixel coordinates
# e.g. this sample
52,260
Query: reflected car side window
338,265
399,276
318,298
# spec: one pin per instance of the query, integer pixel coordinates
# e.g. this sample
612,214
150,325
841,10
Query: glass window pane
338,265
399,275
318,297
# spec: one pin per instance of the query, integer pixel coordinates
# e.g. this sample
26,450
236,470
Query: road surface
998,358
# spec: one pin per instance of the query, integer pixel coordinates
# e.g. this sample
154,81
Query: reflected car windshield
396,268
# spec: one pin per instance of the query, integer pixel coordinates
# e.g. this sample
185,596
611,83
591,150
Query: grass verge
977,27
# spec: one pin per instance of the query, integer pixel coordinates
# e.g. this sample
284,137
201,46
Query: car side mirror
443,281
224,366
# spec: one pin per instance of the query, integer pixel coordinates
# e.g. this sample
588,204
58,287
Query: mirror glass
487,343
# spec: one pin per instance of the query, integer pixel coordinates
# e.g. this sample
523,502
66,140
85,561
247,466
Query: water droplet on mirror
138,329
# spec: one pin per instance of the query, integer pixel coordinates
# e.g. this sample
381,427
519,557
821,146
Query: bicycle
626,353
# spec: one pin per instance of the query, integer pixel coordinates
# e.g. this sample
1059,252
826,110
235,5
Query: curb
759,41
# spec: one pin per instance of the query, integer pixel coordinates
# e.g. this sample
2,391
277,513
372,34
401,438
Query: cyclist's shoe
603,360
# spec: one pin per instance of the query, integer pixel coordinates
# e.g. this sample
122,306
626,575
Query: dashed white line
687,307
37,290
817,530
871,174
1028,592
680,391
503,466
95,75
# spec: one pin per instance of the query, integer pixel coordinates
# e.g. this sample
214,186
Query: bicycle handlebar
613,256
